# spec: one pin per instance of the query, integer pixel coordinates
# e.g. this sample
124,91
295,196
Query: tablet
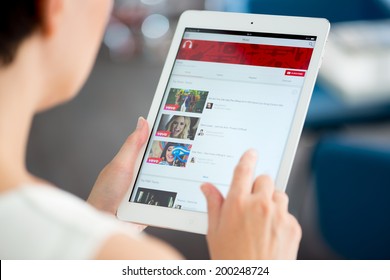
230,82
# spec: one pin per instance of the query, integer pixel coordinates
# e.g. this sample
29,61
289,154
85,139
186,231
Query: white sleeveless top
43,222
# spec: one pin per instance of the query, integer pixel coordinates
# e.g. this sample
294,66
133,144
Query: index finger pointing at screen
243,174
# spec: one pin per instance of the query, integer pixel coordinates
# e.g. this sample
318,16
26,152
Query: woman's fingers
263,186
281,200
243,174
214,204
253,221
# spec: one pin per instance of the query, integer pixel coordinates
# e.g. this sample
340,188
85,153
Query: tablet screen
228,91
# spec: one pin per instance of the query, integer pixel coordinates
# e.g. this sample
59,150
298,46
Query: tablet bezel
196,221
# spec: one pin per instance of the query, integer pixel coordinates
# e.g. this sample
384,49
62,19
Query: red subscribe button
295,73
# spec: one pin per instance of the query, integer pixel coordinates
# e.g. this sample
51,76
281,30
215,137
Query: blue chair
352,181
328,111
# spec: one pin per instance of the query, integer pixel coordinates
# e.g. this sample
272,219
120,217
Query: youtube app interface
228,91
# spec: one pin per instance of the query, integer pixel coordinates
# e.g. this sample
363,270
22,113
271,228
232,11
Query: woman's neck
20,92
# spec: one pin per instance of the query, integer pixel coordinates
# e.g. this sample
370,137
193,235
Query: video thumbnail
169,153
186,100
155,197
176,126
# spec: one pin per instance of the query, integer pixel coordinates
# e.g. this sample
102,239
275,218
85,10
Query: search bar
249,39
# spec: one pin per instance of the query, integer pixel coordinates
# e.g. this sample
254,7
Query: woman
166,155
47,49
185,104
179,127
178,159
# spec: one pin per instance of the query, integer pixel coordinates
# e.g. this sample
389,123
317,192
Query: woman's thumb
131,148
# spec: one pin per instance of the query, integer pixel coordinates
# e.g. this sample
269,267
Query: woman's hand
253,221
114,180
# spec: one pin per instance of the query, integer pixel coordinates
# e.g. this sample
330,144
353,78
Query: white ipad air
230,82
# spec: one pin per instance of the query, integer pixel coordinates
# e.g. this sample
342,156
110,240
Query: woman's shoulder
43,222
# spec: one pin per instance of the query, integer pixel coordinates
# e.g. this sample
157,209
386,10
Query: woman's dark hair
18,19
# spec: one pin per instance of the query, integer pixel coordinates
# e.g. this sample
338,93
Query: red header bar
246,54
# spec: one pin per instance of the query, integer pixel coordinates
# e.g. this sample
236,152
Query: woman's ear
50,12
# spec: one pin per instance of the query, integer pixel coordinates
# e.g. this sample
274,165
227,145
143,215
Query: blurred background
340,183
